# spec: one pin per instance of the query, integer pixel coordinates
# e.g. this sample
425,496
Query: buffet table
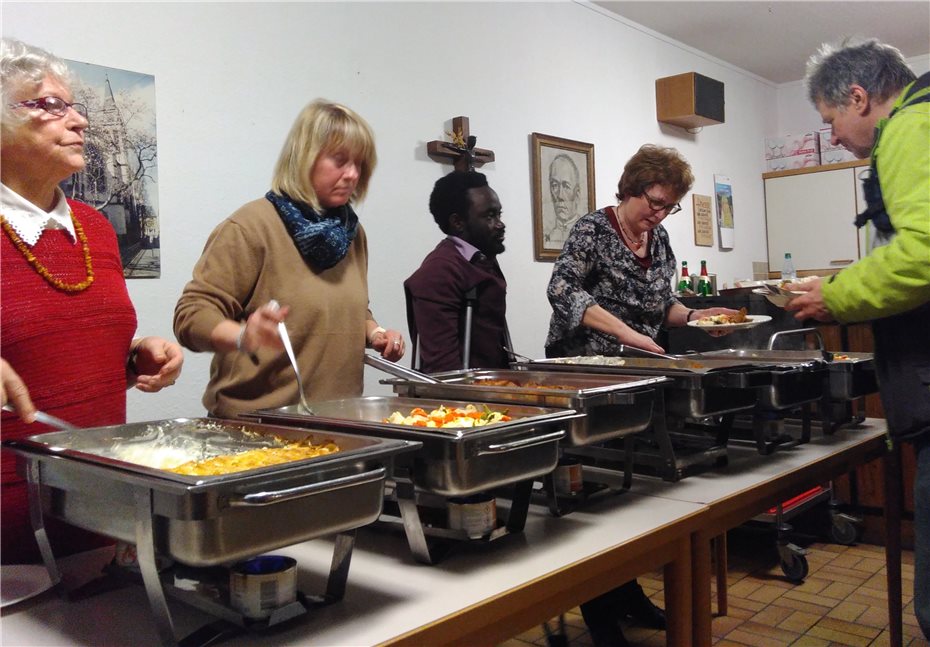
484,593
481,593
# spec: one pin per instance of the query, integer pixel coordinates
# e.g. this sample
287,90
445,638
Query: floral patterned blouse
596,267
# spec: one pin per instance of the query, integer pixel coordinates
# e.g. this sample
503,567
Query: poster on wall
703,220
723,190
120,178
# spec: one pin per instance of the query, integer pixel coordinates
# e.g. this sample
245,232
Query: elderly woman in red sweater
66,321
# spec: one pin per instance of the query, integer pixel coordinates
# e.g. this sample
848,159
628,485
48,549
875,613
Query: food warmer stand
614,407
98,479
452,462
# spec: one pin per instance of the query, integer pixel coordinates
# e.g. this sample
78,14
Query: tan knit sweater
248,260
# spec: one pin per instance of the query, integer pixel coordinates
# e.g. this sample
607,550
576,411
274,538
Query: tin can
475,514
262,584
569,477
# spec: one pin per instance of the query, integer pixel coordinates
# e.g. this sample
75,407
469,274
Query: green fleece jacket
894,278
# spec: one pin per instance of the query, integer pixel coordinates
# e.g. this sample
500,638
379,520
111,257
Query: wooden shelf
815,169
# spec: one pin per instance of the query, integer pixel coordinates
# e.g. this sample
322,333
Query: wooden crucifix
461,149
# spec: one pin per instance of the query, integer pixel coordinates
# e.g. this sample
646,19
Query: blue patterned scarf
322,239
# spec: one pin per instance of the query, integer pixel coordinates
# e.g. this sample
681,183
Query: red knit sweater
69,348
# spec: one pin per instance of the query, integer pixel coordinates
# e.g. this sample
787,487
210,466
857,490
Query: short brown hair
655,165
323,127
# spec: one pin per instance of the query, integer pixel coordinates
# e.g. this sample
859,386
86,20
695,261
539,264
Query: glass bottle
684,285
788,272
704,288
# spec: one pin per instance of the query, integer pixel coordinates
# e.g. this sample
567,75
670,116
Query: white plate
20,582
754,320
779,300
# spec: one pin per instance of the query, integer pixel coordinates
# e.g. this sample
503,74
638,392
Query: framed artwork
723,190
703,220
563,191
121,176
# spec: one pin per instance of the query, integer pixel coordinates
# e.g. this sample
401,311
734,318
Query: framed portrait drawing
563,191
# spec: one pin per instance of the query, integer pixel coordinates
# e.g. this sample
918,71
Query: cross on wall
461,150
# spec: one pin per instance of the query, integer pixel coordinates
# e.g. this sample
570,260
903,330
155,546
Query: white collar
29,221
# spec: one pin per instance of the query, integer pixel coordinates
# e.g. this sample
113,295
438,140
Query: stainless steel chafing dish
851,375
614,406
452,462
695,390
208,520
103,479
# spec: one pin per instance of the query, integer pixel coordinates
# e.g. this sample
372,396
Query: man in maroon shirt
461,271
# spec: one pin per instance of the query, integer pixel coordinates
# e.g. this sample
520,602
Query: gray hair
22,65
879,68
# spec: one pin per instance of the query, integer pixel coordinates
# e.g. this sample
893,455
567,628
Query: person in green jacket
878,108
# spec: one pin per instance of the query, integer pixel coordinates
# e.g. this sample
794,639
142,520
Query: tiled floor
841,602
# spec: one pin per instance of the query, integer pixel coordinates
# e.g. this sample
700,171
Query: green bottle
684,285
704,282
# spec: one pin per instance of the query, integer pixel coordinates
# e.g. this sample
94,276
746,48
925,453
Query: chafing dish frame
614,406
450,463
151,499
693,391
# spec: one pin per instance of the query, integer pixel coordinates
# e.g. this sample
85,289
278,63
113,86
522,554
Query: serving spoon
47,419
289,349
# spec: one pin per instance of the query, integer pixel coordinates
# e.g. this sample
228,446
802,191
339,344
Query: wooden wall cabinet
810,212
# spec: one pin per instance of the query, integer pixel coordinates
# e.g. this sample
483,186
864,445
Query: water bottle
787,269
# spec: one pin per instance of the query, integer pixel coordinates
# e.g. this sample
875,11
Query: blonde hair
323,127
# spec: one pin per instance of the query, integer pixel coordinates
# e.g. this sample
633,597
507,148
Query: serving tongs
633,351
399,371
47,419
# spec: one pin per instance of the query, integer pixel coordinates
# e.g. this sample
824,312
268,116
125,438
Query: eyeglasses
53,106
658,205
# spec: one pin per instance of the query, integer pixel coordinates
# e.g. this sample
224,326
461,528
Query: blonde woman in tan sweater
301,246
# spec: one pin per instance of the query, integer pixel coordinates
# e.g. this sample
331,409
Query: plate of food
738,321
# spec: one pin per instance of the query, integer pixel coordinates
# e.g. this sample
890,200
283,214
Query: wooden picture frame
563,191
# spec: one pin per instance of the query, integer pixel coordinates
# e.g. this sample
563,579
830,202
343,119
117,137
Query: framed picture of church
563,191
120,178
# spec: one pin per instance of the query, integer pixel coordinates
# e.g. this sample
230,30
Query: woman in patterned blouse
612,283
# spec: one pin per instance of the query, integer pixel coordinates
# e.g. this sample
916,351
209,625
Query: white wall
796,114
231,77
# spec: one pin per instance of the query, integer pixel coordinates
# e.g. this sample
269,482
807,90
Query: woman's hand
809,305
630,337
261,328
14,391
157,363
390,343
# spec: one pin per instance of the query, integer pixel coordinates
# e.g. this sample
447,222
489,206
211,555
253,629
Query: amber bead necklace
41,269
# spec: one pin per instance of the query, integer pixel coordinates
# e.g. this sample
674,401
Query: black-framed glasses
658,205
53,106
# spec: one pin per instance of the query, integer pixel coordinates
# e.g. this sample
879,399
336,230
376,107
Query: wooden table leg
893,503
678,586
700,587
720,556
